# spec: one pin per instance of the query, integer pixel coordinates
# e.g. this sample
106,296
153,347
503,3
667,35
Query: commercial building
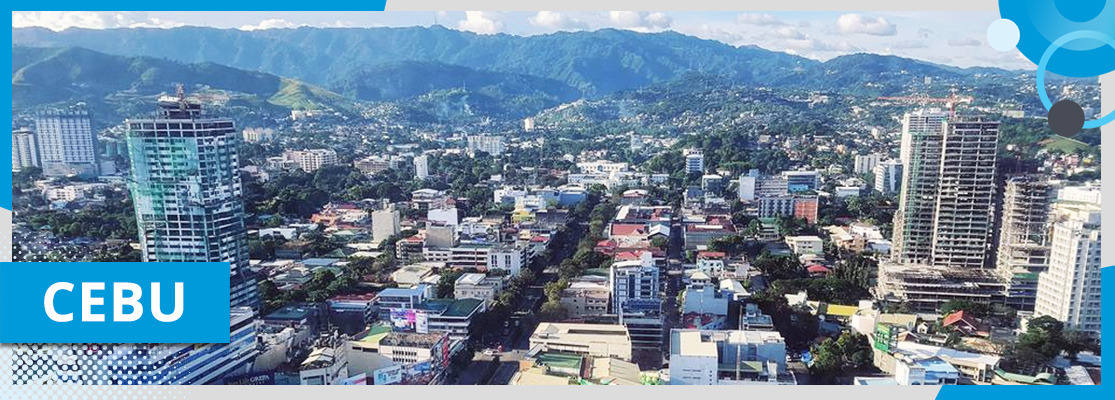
1023,251
67,143
596,340
945,210
192,209
479,286
385,223
802,181
25,152
712,185
700,357
926,288
1070,289
587,296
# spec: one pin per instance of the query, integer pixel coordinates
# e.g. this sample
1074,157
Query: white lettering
119,301
48,302
178,306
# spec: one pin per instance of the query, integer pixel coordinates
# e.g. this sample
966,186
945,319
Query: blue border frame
961,392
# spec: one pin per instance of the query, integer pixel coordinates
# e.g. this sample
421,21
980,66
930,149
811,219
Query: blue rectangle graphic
114,302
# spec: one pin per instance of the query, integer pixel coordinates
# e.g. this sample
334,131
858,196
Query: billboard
403,319
421,322
388,375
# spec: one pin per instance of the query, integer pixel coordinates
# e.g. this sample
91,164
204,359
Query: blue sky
954,38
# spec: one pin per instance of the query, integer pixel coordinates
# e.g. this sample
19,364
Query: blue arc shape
1045,57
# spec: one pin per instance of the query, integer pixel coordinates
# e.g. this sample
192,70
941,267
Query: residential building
325,365
1070,289
1024,237
67,143
507,257
927,288
421,167
747,188
803,245
191,210
311,160
945,209
595,340
492,144
712,185
888,177
694,161
865,163
25,152
258,135
372,165
707,357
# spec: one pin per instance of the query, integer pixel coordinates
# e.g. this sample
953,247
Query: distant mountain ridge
594,63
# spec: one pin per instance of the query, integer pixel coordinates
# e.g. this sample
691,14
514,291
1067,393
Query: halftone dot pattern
83,371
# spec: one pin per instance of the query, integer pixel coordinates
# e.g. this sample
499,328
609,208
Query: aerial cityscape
596,199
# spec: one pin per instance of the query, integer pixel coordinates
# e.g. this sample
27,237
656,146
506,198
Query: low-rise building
597,340
479,286
727,357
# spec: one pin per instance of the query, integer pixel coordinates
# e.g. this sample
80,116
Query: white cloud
482,22
789,32
271,24
558,21
61,20
966,42
641,21
856,23
759,19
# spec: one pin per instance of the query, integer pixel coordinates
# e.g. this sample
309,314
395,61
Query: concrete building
372,165
479,286
311,160
385,223
421,167
727,357
712,185
747,188
865,163
67,143
1023,251
587,296
926,288
694,161
945,210
507,257
595,340
25,152
1070,289
802,245
491,144
192,210
802,181
888,177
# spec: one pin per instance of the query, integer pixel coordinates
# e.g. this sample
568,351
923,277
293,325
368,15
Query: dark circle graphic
1080,10
1066,118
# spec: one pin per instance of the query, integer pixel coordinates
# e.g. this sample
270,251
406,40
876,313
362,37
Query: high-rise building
888,177
185,182
25,154
421,167
67,143
865,163
747,188
944,211
694,161
1023,251
1070,289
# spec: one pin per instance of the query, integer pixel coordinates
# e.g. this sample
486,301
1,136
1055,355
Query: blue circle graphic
1041,22
1048,55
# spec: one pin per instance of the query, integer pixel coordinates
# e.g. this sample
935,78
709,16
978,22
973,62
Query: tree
445,285
978,310
552,311
779,268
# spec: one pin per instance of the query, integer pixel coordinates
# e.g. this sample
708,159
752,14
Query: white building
67,143
257,135
694,161
802,245
478,286
865,163
507,258
1070,289
726,357
25,153
385,223
888,177
491,144
596,340
421,167
747,188
311,160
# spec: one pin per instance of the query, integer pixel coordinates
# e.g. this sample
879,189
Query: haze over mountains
327,66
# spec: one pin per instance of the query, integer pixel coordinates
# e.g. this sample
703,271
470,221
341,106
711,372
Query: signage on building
388,375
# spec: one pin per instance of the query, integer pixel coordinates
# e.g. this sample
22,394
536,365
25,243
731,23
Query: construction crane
949,102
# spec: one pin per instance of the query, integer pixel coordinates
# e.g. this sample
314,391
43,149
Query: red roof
711,254
817,268
629,255
628,229
957,317
606,243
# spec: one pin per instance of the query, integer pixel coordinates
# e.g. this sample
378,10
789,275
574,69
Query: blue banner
118,302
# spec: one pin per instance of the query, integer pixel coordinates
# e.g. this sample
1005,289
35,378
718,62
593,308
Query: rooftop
408,339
